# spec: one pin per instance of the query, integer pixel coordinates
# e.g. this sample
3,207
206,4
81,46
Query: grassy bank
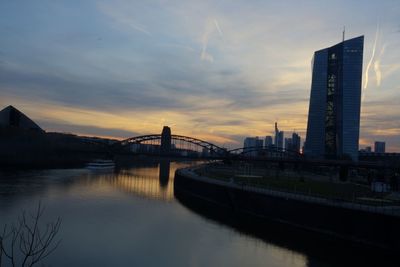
298,182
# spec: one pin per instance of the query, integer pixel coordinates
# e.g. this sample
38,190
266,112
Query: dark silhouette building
293,143
278,137
288,144
380,147
334,112
268,141
252,144
296,139
166,140
11,117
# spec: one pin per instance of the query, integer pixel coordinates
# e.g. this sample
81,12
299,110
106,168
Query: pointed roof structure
12,117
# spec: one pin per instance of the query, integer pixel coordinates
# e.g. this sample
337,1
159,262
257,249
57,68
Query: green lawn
345,191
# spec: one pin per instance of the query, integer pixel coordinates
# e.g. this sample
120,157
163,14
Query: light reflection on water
148,182
130,217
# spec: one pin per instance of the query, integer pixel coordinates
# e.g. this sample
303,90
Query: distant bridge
170,144
178,142
167,144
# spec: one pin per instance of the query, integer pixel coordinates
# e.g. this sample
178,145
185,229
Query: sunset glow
219,72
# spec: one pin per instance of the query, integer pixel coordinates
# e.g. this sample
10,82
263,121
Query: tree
26,243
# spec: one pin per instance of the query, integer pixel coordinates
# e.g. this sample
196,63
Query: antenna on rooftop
344,30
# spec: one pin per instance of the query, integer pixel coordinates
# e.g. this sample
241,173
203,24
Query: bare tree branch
33,244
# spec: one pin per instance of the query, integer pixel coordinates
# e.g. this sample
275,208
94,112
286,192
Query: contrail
372,57
377,73
217,26
205,42
377,67
206,36
204,54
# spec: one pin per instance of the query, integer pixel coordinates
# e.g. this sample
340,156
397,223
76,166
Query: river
130,217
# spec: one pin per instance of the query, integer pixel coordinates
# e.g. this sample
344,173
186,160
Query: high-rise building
280,140
293,143
296,142
259,143
268,141
252,145
278,137
334,112
288,144
380,147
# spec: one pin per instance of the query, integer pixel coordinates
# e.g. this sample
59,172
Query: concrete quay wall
362,224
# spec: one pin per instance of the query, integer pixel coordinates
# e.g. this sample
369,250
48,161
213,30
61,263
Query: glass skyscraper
334,113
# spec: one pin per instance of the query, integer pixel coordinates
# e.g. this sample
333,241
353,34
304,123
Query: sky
215,70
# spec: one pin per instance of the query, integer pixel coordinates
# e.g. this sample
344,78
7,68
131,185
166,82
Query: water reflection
314,249
145,183
164,168
149,182
147,179
128,207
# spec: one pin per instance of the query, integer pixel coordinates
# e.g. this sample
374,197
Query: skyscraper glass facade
335,101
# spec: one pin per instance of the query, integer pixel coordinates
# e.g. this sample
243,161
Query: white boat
101,164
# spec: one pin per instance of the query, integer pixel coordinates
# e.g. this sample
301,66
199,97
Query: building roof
12,117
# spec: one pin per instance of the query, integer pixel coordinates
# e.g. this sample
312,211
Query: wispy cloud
217,26
211,27
120,17
377,67
371,59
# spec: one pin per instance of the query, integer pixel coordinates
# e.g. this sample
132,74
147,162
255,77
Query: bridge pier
165,140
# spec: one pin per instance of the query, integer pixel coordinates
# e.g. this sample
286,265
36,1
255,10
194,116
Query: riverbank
374,226
321,183
26,149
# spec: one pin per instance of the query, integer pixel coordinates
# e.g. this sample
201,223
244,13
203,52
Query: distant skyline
219,71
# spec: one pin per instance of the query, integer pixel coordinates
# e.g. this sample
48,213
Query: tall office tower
252,144
379,147
334,113
288,144
249,142
259,142
296,142
268,141
280,140
278,137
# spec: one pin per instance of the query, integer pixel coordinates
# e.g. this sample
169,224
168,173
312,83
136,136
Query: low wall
362,226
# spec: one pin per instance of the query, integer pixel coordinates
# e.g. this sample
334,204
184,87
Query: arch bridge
172,144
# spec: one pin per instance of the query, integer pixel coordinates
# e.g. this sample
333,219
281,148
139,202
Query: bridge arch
178,142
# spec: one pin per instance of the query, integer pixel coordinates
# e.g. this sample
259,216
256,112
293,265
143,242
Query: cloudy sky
216,70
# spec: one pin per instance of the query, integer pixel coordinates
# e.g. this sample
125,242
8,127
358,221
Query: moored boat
101,164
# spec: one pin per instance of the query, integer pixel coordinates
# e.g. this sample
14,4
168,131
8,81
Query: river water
130,217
